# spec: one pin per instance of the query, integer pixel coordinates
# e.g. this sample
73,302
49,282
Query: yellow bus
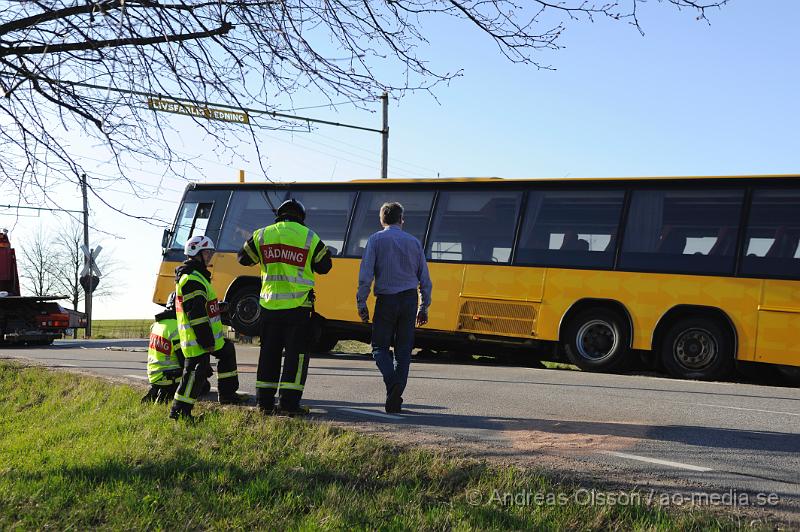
693,273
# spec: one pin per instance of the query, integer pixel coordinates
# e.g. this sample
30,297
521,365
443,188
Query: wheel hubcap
248,310
695,349
596,340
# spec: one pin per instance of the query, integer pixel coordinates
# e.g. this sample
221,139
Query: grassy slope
78,452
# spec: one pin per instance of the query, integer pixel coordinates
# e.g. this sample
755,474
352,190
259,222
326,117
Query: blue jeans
393,323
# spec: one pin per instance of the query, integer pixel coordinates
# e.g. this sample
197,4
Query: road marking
740,408
751,409
370,413
140,377
65,366
657,461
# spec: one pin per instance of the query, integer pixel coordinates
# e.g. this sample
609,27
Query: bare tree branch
236,52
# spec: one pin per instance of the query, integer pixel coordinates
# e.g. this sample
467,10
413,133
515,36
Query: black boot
266,402
166,394
181,410
151,395
233,399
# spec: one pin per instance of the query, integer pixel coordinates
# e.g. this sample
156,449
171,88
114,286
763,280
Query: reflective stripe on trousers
298,378
189,386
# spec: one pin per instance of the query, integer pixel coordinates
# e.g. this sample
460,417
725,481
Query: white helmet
196,244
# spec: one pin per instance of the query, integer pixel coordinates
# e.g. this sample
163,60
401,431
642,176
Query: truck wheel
597,339
245,310
40,342
698,348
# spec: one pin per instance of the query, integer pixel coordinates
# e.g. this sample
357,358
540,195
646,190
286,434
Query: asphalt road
655,433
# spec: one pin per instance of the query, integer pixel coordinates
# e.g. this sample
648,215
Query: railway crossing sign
90,274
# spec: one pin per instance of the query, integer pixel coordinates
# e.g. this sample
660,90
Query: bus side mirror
165,238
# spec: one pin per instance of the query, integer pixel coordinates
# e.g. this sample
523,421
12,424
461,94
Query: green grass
78,452
119,329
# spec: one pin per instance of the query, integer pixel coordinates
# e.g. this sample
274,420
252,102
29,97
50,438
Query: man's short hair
391,213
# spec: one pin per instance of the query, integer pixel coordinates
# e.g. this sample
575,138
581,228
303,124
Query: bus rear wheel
698,348
597,339
245,310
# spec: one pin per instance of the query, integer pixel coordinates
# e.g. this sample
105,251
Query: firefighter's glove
363,313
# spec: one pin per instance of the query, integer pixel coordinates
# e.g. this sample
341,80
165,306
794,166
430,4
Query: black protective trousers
284,336
197,370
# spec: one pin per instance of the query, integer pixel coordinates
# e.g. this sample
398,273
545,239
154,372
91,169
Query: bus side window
773,234
570,228
366,221
474,226
671,241
682,231
573,243
327,213
249,210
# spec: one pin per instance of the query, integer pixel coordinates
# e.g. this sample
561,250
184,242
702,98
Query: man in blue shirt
396,261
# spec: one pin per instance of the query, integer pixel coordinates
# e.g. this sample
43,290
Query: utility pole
385,137
87,302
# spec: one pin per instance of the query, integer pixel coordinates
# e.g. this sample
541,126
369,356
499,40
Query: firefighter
289,254
200,329
164,356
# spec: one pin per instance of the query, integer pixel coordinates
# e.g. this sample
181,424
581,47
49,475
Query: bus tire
698,348
791,374
245,310
597,339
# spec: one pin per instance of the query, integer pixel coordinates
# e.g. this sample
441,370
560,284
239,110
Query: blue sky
688,98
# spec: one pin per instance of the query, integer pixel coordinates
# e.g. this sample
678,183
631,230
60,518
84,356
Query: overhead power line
37,208
189,103
179,99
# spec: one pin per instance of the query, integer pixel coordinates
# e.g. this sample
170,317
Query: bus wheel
698,348
245,310
597,339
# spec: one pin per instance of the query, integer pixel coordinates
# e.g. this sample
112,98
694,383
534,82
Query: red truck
31,320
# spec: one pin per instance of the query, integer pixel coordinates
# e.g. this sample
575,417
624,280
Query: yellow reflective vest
162,351
188,337
285,256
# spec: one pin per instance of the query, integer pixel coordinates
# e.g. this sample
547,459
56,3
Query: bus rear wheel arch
597,338
699,347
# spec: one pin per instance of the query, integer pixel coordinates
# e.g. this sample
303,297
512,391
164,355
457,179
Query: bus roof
500,179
